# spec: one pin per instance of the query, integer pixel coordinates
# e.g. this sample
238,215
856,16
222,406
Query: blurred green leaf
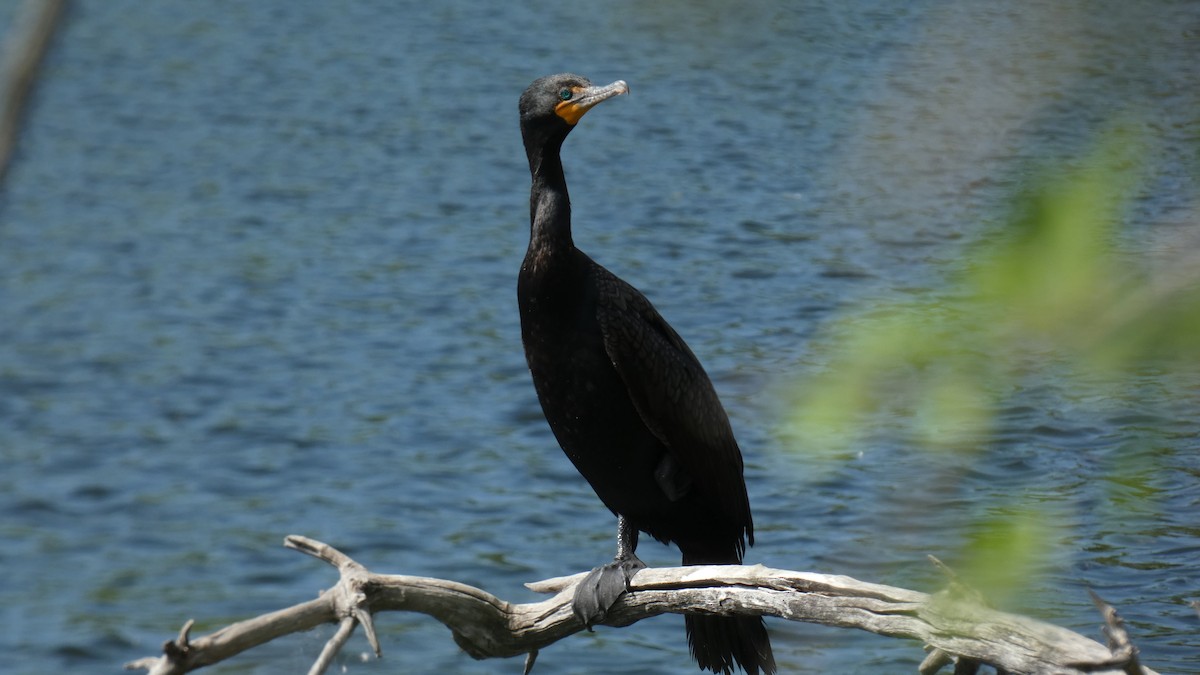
1050,294
1004,551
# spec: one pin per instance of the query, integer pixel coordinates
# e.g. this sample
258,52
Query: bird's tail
720,642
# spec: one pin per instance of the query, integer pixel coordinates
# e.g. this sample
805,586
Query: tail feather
720,642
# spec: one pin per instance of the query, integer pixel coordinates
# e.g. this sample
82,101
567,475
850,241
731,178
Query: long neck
549,203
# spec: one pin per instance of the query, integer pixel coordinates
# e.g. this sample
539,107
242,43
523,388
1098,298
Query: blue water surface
257,278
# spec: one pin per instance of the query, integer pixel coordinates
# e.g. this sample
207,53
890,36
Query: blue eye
565,94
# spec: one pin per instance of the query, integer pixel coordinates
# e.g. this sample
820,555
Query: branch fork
350,600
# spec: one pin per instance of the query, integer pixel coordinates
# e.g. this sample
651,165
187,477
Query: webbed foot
601,588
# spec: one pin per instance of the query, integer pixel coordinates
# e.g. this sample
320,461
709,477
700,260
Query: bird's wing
672,393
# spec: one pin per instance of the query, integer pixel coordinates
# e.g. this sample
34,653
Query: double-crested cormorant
628,401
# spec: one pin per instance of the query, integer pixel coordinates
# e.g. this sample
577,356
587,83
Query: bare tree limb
340,638
956,627
1123,651
23,50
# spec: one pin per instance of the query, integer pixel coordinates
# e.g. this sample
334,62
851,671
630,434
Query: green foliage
1003,551
1051,292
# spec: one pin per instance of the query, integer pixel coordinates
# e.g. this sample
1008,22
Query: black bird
627,400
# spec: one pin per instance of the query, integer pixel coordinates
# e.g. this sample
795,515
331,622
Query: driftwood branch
955,626
22,51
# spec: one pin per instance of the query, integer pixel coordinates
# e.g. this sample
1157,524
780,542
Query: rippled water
258,278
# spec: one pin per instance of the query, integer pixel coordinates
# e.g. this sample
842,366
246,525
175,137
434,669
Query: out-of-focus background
257,277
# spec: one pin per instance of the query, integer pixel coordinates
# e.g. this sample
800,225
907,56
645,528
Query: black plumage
626,398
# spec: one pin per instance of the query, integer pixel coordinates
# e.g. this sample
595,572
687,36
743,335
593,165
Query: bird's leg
627,539
602,586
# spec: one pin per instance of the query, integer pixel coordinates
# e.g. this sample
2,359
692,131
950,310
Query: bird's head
553,105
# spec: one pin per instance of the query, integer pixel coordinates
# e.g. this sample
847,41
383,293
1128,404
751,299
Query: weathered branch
956,627
23,50
1124,653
